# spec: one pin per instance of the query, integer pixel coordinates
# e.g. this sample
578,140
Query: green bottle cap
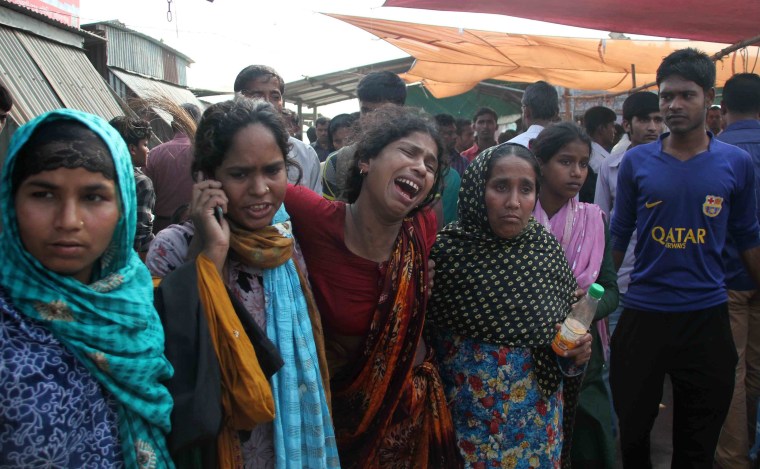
596,291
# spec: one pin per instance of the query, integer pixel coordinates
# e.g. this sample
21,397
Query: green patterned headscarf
507,292
110,325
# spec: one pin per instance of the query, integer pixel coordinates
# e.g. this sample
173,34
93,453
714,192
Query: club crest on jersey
712,205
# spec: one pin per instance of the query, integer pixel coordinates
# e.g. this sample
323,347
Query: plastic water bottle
578,321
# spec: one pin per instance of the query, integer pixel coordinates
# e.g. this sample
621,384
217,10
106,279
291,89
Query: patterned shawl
110,325
393,414
502,291
303,430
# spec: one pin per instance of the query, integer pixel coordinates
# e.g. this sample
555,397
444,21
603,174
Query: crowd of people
386,296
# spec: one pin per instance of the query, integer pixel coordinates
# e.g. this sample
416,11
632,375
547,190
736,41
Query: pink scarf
579,228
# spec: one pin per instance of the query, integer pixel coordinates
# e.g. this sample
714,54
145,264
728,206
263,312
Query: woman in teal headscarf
81,345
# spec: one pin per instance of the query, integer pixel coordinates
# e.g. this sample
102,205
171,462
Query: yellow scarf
246,394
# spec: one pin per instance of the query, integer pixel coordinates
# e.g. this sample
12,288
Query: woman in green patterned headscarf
502,284
81,345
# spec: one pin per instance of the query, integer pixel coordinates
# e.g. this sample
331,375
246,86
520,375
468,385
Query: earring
362,172
267,189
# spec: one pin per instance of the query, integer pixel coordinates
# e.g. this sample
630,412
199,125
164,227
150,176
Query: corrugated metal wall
138,55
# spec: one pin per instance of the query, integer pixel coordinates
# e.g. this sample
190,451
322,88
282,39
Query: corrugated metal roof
43,75
148,88
113,24
338,86
137,53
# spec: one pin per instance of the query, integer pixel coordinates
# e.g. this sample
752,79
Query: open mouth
409,188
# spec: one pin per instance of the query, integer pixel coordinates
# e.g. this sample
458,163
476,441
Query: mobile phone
218,213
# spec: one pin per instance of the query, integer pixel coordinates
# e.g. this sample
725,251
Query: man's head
540,104
641,117
379,88
322,124
712,119
600,125
741,97
6,103
484,122
136,132
261,82
686,79
465,135
447,129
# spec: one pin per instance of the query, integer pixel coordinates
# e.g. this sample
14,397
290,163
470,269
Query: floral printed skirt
500,416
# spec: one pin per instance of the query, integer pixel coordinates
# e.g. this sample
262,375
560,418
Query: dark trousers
697,350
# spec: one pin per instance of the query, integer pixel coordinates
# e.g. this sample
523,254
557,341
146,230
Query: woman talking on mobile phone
253,304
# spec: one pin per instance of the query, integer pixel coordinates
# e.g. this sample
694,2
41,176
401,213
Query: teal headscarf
110,325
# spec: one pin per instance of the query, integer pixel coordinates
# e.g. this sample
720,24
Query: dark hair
385,126
741,93
42,152
254,72
192,110
378,87
322,120
131,129
553,138
506,136
463,124
689,64
6,101
640,104
596,117
311,134
519,151
445,120
542,100
482,112
338,122
222,121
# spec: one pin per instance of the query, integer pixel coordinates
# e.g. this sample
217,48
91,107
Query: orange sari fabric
392,414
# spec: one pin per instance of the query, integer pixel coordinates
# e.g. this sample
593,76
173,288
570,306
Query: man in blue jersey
741,109
682,194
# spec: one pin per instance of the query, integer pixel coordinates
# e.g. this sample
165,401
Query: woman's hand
214,235
581,353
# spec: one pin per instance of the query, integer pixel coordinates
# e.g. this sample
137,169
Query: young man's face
683,104
448,135
322,134
266,88
485,126
605,135
465,138
713,120
139,153
644,129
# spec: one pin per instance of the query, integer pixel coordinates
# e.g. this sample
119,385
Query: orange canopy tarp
450,61
728,21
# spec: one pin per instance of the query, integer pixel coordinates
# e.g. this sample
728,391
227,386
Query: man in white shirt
540,107
600,126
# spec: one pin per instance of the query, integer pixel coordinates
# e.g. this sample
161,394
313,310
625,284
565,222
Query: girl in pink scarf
563,150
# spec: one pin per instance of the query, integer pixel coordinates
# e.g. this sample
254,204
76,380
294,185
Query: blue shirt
682,211
745,135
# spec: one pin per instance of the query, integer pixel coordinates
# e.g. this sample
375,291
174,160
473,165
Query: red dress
346,286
